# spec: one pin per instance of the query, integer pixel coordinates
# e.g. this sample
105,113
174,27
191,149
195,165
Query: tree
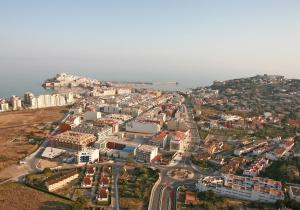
80,203
47,172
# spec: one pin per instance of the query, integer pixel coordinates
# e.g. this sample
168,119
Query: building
179,140
91,115
70,123
255,168
104,181
282,150
139,126
62,181
87,182
294,192
15,102
112,109
177,124
73,140
103,194
114,124
250,147
88,155
4,105
89,128
47,100
146,153
248,188
160,140
122,91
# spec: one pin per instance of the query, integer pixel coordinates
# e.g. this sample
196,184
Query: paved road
160,196
115,190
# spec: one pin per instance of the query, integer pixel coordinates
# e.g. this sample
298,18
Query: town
120,146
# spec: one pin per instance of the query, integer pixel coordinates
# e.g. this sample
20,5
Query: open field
19,126
15,196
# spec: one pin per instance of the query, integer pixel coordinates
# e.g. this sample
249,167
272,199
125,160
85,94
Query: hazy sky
194,41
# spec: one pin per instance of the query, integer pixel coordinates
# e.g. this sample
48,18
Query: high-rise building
46,100
15,102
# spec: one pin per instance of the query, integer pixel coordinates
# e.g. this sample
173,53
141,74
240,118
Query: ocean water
18,83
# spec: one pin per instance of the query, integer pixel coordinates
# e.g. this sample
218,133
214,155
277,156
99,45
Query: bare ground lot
14,196
16,127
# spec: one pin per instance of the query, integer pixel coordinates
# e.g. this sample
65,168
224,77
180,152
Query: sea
18,83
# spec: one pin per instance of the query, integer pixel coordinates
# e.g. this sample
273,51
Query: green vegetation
274,131
211,201
285,171
80,203
200,163
38,179
138,186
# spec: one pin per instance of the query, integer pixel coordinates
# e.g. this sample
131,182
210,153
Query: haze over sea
16,83
23,81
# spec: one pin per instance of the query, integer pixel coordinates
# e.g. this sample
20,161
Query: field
15,196
19,126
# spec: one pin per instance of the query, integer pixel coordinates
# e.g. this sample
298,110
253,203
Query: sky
194,42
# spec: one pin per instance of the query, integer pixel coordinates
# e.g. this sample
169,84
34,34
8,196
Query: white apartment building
4,105
122,91
143,127
43,101
112,109
15,102
87,155
179,140
282,150
146,153
248,188
91,115
255,168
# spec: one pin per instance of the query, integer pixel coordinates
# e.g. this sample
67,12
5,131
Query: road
160,196
115,190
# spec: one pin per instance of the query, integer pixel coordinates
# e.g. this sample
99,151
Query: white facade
61,183
146,153
294,193
177,124
122,91
112,109
43,101
143,127
15,102
87,155
248,188
91,115
4,107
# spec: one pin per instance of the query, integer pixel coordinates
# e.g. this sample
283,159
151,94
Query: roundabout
180,174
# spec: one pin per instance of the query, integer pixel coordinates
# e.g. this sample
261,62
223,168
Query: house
87,182
190,197
104,181
90,171
103,194
105,170
294,192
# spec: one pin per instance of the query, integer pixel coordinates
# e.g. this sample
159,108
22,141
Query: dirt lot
15,196
17,127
